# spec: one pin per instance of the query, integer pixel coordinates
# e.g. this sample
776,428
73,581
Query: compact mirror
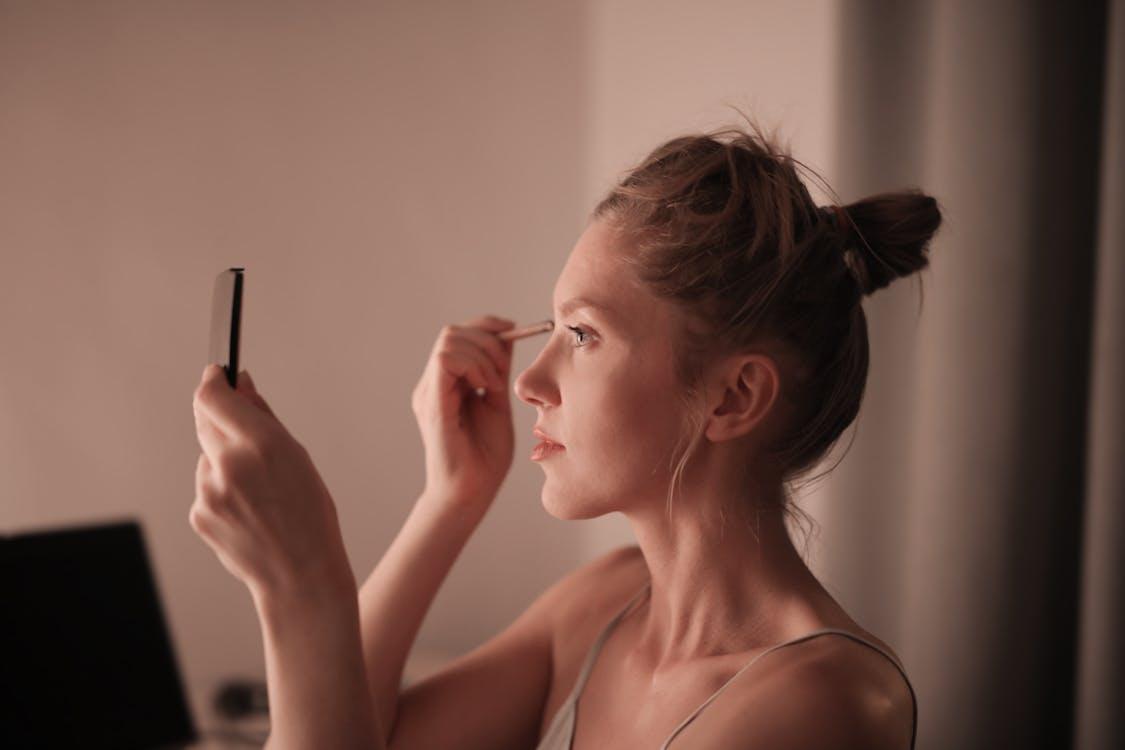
226,318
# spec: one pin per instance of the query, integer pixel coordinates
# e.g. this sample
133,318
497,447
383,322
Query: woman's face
604,385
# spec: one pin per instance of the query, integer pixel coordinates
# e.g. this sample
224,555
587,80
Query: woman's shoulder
827,691
593,592
604,580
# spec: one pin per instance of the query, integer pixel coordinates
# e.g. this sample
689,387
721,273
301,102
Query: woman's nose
532,387
522,389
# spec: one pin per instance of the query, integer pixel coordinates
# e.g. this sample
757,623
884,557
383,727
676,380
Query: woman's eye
583,336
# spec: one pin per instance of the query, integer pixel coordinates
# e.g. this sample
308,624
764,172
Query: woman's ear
743,393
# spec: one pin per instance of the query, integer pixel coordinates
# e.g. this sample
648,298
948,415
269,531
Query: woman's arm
463,410
398,593
264,509
262,506
319,694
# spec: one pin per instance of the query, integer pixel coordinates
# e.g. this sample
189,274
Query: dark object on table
87,657
236,699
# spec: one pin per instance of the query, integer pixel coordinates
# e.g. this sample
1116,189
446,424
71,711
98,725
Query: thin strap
591,657
807,636
560,733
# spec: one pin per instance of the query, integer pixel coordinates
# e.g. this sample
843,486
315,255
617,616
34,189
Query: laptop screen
88,661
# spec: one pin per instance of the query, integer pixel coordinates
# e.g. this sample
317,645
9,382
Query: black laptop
88,662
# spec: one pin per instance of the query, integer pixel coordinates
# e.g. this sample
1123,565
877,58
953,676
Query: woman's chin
566,506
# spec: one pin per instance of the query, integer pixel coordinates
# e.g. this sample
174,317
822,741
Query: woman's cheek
635,438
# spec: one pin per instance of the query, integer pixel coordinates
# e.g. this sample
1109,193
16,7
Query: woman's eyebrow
579,302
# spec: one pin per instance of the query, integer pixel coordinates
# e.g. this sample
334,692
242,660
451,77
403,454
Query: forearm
318,690
396,596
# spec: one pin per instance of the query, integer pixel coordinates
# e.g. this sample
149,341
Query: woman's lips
537,432
544,449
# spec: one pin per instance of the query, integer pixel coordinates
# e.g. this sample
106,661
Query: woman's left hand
260,504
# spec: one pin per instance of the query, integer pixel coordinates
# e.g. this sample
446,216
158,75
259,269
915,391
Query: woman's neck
720,582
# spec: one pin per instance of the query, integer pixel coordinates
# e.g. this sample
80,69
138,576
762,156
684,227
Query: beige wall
380,170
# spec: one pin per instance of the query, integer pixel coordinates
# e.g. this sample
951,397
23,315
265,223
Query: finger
495,378
204,480
229,411
200,524
247,388
499,351
205,486
213,522
491,323
211,438
458,365
213,493
494,325
495,372
202,469
499,396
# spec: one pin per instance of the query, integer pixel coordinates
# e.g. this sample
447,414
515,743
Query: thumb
249,390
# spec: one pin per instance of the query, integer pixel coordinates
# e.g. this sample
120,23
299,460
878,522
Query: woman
709,348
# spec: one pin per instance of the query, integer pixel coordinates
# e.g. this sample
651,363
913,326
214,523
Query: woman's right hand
469,439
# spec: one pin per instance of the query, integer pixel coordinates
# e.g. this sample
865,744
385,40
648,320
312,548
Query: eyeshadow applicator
531,330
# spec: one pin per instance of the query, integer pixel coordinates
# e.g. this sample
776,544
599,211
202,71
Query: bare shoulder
827,692
596,589
495,695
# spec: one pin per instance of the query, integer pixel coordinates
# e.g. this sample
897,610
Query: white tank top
560,733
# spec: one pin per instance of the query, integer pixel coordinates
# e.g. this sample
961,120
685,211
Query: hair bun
837,217
886,236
